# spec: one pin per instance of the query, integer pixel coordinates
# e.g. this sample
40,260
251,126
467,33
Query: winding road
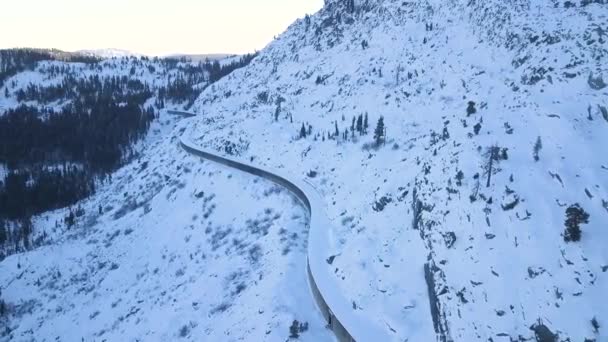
343,320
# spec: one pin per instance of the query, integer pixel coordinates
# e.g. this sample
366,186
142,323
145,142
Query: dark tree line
89,90
217,71
27,192
96,135
183,88
15,61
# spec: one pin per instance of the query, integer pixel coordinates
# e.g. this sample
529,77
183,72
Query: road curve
346,323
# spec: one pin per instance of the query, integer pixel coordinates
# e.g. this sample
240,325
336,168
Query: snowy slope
496,256
182,249
151,72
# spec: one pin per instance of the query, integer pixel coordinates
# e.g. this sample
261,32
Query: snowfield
184,249
335,308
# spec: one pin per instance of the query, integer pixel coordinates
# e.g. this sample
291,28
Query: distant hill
108,53
202,57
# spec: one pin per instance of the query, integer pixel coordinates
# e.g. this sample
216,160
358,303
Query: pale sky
153,27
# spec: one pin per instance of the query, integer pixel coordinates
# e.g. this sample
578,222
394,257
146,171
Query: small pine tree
379,131
493,157
337,130
504,154
3,233
297,328
365,124
575,216
595,325
303,131
446,134
360,124
537,147
477,128
471,108
350,6
26,231
294,329
277,111
459,178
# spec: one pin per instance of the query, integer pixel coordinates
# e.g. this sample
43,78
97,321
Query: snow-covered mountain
467,89
449,224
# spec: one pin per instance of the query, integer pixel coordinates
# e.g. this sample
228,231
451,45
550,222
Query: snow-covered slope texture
164,78
175,248
453,227
53,78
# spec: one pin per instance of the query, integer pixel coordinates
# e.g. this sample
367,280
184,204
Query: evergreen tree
2,306
3,232
337,130
575,216
360,124
70,220
459,178
471,108
26,231
477,128
379,131
350,6
446,134
365,124
537,147
492,155
294,330
303,131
